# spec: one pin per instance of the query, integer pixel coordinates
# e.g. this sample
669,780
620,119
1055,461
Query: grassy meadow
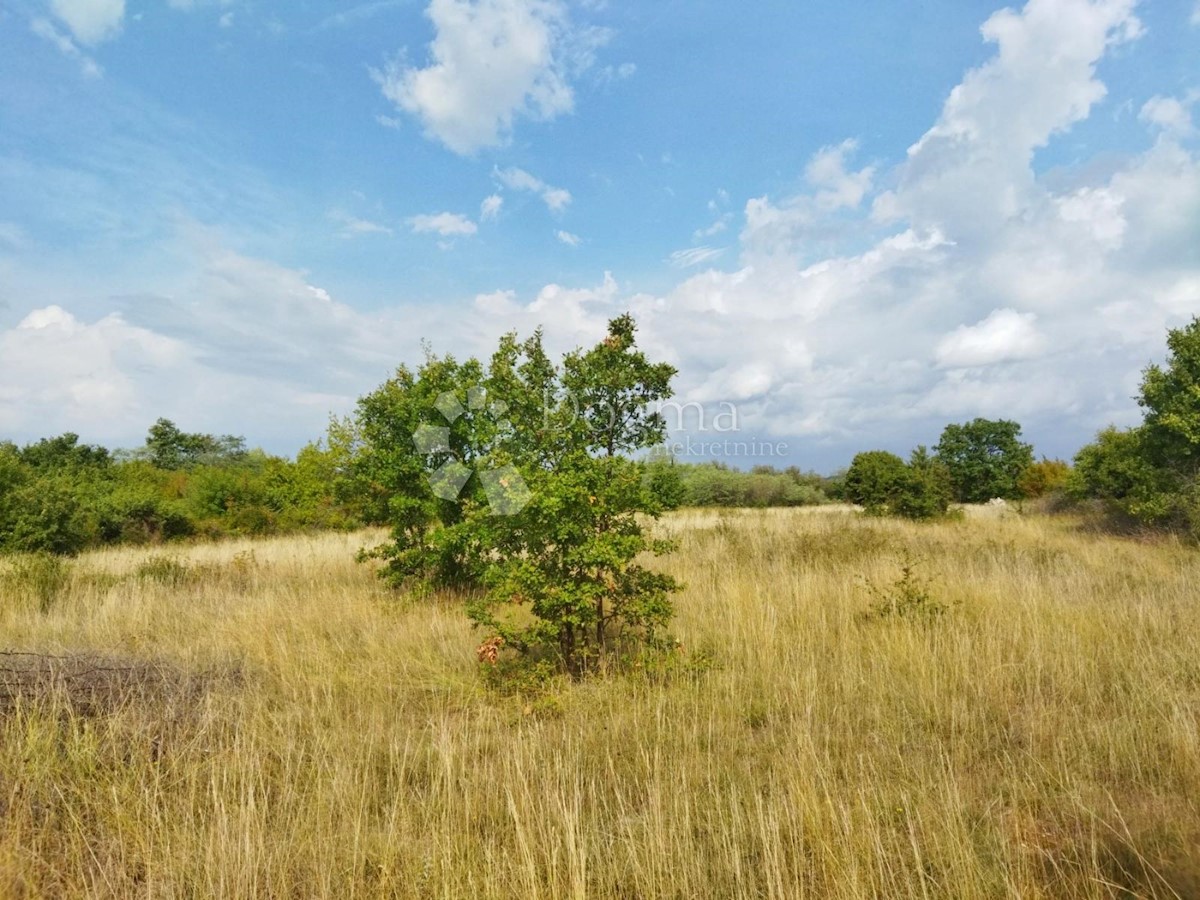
264,719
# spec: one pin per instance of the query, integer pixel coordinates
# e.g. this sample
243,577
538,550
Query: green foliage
985,459
1151,473
910,598
169,448
1048,476
60,496
716,484
874,479
1170,396
665,482
45,516
925,491
523,497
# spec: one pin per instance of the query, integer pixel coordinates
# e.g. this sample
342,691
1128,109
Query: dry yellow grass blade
1039,739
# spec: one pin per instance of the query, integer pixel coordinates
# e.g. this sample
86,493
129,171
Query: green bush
874,479
1042,478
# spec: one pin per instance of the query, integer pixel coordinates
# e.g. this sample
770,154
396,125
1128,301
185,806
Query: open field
307,734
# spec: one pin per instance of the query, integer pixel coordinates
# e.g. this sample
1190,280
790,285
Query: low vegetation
306,732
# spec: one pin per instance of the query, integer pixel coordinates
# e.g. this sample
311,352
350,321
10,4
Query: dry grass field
262,719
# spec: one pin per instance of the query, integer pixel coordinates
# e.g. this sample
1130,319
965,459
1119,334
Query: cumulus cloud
491,62
1060,294
446,224
971,171
566,237
1004,335
66,374
556,199
1169,114
226,334
773,227
91,21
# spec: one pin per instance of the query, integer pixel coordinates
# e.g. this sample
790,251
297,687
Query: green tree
514,484
1044,477
167,447
925,492
1170,396
65,453
1117,469
874,479
1152,472
985,458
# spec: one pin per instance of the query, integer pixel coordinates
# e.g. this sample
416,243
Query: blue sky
855,222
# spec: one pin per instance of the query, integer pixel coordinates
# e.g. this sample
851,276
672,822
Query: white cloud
1065,293
388,121
490,63
971,170
1169,114
446,224
65,374
67,47
609,75
695,256
1004,335
556,199
774,226
90,21
831,326
1195,20
353,226
490,207
565,237
837,188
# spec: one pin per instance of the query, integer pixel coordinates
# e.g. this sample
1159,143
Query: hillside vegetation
1015,716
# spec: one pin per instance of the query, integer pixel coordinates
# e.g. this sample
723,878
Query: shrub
909,598
924,492
1045,477
874,479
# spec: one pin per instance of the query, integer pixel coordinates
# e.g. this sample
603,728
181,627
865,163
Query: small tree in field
925,491
512,483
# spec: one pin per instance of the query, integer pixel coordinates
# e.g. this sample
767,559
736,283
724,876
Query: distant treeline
59,495
717,484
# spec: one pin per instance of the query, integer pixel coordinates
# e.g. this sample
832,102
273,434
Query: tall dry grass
1038,740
